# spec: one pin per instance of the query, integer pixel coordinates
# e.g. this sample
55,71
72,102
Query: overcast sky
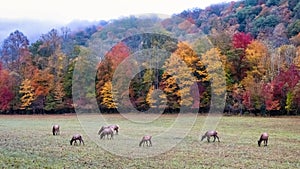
64,11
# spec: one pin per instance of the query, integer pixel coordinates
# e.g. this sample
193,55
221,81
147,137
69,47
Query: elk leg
208,138
266,142
214,138
218,138
150,143
142,143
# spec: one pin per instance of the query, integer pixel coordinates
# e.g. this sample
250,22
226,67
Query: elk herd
110,130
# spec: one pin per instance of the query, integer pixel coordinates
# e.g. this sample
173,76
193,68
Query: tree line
260,60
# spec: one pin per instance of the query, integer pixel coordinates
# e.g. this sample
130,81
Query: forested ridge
256,41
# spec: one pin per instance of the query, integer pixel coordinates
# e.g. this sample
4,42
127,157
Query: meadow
26,141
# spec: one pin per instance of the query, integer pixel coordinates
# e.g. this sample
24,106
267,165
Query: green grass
27,142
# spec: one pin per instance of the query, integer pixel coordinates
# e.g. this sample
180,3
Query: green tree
67,79
251,2
83,80
289,102
273,3
293,28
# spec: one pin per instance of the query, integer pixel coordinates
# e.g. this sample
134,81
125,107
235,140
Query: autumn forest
255,42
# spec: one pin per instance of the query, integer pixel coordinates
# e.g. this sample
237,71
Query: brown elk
146,139
263,137
106,132
55,129
114,127
75,138
209,134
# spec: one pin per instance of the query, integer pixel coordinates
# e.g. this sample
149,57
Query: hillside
246,50
275,21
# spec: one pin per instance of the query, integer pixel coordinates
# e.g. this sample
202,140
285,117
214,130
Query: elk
263,137
55,129
209,134
75,138
114,127
106,132
146,139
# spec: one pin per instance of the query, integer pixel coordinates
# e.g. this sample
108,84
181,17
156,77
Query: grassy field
27,142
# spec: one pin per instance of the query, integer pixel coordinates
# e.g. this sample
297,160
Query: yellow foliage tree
27,92
156,99
107,96
259,60
296,60
178,72
256,54
191,59
285,56
215,63
171,89
59,93
259,63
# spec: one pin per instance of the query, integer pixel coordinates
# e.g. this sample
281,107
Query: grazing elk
114,127
209,134
263,137
75,138
106,132
147,140
55,129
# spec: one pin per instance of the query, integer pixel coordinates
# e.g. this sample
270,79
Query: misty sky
36,17
64,11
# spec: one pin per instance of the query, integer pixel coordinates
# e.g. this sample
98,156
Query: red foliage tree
247,102
110,63
276,91
6,95
237,57
241,40
289,78
117,54
271,96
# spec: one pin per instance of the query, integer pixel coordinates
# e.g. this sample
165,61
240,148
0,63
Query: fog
33,29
